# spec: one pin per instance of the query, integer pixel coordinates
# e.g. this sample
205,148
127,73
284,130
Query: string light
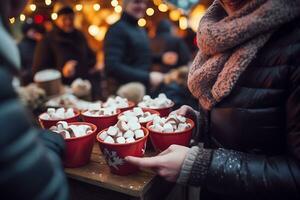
114,3
54,16
22,17
118,9
150,11
12,20
175,15
48,2
93,30
96,6
78,7
142,22
163,7
183,23
32,7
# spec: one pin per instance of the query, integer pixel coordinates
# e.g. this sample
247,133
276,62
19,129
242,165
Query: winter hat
62,8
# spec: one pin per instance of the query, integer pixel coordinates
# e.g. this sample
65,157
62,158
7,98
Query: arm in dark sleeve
115,48
30,163
43,56
236,173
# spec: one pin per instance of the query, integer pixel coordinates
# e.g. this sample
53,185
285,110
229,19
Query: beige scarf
228,44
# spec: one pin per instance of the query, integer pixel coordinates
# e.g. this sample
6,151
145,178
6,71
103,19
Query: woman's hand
188,112
69,68
167,164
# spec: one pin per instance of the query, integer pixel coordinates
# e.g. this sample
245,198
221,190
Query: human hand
156,78
170,58
69,68
167,164
187,112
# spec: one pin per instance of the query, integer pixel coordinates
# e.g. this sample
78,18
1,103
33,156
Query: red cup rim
117,114
77,113
144,110
171,106
172,133
94,129
126,144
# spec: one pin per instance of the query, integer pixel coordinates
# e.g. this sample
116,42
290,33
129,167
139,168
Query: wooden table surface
97,173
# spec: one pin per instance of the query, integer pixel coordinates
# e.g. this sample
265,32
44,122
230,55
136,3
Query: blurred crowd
133,61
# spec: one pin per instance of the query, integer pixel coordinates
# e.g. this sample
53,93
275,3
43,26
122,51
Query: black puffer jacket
30,159
257,128
127,51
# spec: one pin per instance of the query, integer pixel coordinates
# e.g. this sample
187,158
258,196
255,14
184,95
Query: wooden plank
97,173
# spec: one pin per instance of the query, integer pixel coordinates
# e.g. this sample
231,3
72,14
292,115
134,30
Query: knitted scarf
228,44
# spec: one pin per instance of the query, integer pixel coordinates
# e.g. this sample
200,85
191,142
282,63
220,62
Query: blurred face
136,8
65,22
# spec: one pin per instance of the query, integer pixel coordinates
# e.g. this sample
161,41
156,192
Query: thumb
148,162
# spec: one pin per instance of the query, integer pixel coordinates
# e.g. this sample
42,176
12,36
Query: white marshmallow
134,125
121,140
45,116
138,111
139,134
128,134
129,140
168,128
103,135
112,131
109,139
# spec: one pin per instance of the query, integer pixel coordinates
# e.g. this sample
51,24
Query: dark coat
127,51
30,159
257,127
58,47
165,41
26,48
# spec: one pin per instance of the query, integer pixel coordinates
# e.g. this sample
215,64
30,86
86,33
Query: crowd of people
245,77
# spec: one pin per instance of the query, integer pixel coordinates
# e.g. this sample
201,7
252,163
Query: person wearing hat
32,34
65,48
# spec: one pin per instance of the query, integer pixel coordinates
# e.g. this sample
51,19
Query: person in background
128,56
172,47
65,48
30,158
32,34
246,77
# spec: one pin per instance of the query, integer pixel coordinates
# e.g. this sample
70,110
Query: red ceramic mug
115,154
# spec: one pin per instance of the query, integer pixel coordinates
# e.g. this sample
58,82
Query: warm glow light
22,17
101,33
163,7
142,22
175,15
32,7
48,2
157,2
114,3
118,9
96,6
93,30
54,16
150,11
78,7
12,20
183,23
112,18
